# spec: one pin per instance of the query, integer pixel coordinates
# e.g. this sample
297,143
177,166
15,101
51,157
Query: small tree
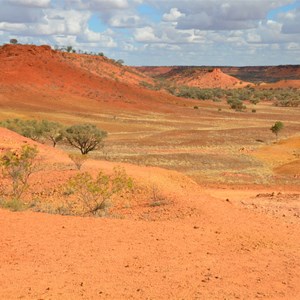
13,41
32,129
85,137
69,49
17,166
277,127
52,131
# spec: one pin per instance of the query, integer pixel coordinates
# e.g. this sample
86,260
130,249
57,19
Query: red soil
198,247
214,79
37,76
154,71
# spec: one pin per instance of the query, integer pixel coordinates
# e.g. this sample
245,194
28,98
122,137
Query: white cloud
12,26
291,22
98,5
128,21
30,3
20,14
102,39
145,34
173,15
219,14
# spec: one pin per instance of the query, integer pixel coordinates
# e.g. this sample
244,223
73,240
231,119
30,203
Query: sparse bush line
84,137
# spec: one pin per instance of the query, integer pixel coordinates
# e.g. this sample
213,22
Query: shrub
28,128
13,41
78,159
36,130
277,127
13,204
157,199
120,62
17,166
94,195
236,104
85,137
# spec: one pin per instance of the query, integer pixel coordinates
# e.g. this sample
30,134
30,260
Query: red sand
199,247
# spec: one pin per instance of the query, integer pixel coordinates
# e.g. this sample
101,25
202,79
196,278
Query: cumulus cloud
173,15
30,3
125,21
98,5
291,22
12,13
145,34
219,14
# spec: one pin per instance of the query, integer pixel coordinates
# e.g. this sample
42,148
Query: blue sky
282,9
156,32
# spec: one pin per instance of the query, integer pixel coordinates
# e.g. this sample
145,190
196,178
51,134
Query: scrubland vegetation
283,97
82,194
84,137
90,196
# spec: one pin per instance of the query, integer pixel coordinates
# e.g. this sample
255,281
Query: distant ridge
254,74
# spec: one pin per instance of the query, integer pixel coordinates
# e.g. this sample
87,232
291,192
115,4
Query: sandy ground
219,250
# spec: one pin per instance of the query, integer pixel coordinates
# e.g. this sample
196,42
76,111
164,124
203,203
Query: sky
162,32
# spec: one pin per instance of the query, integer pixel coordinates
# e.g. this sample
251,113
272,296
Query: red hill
195,77
38,76
211,79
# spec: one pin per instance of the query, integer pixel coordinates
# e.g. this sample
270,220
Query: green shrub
28,128
94,195
17,166
13,204
236,104
36,130
277,127
85,137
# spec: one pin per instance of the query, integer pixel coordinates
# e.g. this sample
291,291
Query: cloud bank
155,32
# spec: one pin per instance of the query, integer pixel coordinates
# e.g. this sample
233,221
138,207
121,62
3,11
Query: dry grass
206,144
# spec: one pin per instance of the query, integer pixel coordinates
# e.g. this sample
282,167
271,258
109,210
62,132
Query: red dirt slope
41,65
48,156
199,247
39,76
